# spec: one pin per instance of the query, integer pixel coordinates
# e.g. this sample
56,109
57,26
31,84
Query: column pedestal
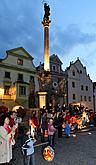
42,99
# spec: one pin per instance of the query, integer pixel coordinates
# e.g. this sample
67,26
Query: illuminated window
20,61
6,89
22,90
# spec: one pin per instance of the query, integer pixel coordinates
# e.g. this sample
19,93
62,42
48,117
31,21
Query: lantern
48,153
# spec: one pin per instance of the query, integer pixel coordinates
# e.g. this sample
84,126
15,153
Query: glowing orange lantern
48,153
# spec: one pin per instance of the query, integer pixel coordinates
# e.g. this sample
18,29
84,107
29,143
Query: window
74,96
80,71
81,98
20,61
20,77
7,74
85,98
53,68
89,98
6,90
86,88
82,87
32,78
22,90
73,73
73,84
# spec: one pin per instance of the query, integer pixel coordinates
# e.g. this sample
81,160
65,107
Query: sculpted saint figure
47,11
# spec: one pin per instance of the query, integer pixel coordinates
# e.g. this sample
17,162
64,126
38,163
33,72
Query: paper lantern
48,153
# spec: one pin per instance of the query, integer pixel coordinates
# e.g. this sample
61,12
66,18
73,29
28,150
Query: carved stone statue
62,85
47,11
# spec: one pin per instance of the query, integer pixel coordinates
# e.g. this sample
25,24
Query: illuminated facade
56,90
17,78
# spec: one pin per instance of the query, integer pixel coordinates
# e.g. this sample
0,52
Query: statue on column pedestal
47,11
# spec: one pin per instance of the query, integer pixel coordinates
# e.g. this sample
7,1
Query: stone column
46,23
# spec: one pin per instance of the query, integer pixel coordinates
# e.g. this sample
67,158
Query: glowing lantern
48,153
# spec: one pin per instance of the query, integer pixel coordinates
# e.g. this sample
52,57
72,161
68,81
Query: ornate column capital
46,22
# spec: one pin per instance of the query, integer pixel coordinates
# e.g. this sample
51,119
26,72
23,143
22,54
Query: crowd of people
45,123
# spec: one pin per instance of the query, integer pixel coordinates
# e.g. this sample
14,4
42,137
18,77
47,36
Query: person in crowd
94,120
59,125
73,123
44,126
79,122
67,129
67,117
33,122
12,118
27,147
6,140
51,133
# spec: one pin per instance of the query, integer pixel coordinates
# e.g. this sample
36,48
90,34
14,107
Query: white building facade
79,85
17,78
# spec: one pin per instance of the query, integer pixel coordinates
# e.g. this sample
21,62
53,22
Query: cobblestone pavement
79,150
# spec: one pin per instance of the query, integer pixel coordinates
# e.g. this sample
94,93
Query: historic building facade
79,85
56,89
94,95
18,80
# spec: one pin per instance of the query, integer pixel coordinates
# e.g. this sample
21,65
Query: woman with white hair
6,140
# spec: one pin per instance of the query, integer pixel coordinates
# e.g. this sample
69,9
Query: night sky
72,31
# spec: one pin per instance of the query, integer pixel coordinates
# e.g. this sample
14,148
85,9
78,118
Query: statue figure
47,11
62,85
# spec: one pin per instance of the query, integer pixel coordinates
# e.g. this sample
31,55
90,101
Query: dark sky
72,31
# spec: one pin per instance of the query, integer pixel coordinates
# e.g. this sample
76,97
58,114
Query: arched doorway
15,108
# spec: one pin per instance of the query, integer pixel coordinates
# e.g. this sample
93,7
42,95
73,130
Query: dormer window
20,61
73,73
80,71
54,68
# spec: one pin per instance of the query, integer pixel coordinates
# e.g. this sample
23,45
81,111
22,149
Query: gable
21,52
55,59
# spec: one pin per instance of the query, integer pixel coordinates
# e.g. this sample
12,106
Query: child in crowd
51,132
67,129
28,148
